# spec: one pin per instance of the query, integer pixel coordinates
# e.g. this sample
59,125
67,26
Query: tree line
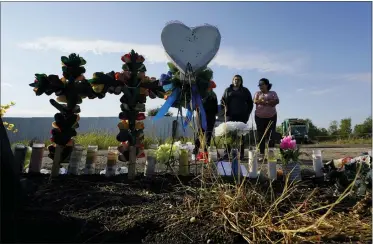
342,129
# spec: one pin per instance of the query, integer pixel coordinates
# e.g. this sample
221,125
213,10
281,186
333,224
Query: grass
354,141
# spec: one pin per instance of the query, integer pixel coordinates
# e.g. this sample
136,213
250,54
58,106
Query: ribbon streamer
168,104
196,103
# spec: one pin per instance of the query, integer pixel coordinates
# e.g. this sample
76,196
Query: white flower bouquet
232,128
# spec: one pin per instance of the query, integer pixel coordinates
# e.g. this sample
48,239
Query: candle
272,164
19,157
317,163
111,163
75,160
183,162
36,157
91,159
150,161
253,165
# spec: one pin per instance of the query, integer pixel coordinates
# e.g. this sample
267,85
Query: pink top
265,111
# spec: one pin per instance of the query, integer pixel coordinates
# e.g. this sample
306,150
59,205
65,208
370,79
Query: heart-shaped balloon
196,46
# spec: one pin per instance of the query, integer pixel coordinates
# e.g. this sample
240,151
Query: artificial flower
230,127
140,59
126,58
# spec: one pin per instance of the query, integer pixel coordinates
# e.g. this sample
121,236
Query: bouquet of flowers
164,152
288,150
232,129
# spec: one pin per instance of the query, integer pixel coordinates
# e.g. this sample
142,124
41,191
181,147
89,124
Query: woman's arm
256,99
274,100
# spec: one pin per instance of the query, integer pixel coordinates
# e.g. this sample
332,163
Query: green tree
154,111
333,128
345,127
364,128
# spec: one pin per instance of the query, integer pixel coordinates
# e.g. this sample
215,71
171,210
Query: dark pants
207,134
227,151
261,126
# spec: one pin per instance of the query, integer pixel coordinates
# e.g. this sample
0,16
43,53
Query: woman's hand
272,102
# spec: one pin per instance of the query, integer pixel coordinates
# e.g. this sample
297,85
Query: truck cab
298,128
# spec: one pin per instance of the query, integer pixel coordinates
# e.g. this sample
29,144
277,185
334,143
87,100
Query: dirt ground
95,209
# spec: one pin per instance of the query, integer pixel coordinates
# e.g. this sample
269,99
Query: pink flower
288,143
293,144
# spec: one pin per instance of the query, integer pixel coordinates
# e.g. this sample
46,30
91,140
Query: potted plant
290,159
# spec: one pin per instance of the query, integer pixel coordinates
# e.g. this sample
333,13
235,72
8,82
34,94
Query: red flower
126,58
212,84
140,59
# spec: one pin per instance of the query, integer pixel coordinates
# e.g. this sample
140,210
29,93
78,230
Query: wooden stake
56,161
132,163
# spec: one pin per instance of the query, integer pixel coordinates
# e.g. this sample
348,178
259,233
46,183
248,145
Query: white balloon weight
196,46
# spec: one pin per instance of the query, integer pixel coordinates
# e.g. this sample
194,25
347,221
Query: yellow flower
5,123
12,103
10,126
15,131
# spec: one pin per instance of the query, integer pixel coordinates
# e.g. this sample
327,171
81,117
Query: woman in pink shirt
265,101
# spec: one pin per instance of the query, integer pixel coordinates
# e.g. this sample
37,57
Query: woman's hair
238,76
266,81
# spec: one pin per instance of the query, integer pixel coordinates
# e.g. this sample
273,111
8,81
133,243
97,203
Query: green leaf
64,59
82,61
172,67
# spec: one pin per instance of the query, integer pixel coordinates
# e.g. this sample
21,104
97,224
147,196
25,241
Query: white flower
228,127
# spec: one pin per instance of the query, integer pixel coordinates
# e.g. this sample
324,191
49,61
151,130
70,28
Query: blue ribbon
196,103
168,104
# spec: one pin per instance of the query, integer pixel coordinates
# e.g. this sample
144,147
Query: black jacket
210,105
239,104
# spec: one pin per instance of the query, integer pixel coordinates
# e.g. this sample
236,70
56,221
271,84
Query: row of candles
37,154
185,158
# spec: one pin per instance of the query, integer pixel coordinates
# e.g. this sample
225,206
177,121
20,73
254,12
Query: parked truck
298,128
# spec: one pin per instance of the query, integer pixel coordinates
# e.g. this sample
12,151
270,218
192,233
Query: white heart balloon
196,46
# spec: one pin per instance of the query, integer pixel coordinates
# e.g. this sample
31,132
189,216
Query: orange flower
116,75
123,124
139,125
63,79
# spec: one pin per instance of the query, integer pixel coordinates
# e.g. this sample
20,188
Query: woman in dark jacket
238,104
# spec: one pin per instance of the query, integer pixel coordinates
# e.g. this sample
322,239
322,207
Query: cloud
349,77
300,90
4,84
365,77
227,57
321,92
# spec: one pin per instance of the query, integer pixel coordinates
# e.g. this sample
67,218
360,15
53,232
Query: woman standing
238,105
265,113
